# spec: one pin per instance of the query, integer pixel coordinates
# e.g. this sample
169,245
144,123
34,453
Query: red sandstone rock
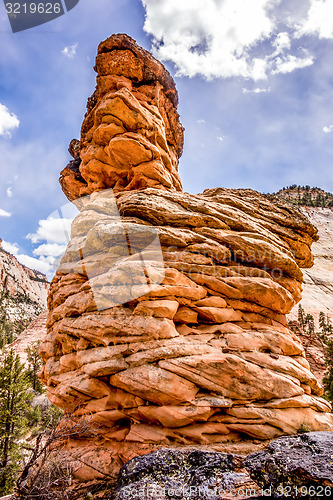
203,355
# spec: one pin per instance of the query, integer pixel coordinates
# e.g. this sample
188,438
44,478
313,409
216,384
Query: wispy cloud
3,213
8,121
328,129
289,63
257,90
10,192
43,257
70,51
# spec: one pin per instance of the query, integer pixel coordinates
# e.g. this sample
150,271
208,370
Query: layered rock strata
167,315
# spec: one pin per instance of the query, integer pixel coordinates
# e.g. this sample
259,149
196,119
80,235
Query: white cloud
70,51
235,38
209,37
9,192
328,129
52,230
10,247
289,63
54,234
42,264
49,250
256,90
3,213
319,20
282,42
8,121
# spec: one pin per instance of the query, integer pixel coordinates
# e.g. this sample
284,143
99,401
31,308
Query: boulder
297,466
172,473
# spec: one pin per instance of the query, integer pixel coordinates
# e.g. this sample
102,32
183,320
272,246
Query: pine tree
6,328
34,365
301,317
309,322
14,403
328,379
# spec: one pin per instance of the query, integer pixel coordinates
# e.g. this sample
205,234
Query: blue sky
255,80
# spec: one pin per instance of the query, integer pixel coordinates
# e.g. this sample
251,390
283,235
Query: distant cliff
23,293
318,286
317,205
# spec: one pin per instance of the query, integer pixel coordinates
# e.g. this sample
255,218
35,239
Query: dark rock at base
298,466
176,474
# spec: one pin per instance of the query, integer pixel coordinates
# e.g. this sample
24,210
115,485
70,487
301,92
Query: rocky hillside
305,196
23,293
34,333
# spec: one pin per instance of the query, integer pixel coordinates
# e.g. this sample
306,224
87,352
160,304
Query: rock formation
131,137
194,353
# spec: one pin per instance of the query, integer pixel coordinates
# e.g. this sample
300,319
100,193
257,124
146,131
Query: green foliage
9,328
301,317
6,326
306,321
14,404
34,416
20,416
307,196
44,416
325,335
328,379
34,365
304,429
309,323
